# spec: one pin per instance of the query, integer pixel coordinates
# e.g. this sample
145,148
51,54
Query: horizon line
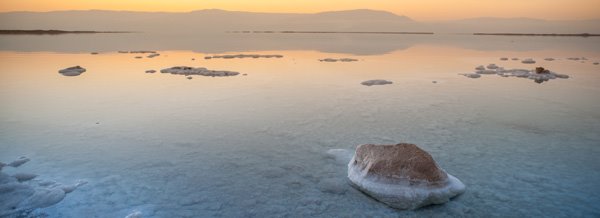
297,13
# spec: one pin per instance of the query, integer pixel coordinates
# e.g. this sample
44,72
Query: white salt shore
72,71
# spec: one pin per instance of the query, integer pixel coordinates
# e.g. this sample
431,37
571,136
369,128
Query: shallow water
256,145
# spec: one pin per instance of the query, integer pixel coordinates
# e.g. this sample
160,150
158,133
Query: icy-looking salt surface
20,195
72,71
187,71
376,82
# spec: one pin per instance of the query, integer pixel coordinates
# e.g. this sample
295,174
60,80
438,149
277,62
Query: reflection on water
358,44
256,145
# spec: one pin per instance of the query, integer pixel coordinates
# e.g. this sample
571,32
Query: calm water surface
255,145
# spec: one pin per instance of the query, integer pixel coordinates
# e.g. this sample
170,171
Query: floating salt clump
504,59
376,82
485,72
72,71
549,59
187,71
480,67
402,176
150,71
472,75
189,77
141,52
348,59
328,60
492,66
138,57
539,75
208,57
596,63
20,198
123,52
528,61
94,53
515,59
336,60
153,55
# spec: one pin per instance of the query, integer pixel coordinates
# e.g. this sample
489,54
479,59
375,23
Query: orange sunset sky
423,10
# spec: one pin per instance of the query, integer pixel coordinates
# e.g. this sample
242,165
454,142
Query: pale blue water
255,146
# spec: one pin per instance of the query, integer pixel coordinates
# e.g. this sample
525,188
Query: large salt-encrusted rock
402,176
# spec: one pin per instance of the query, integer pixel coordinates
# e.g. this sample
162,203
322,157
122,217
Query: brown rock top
398,163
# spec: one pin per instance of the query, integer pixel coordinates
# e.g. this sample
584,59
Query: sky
422,10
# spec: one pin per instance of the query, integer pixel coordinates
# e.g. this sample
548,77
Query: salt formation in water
492,66
549,59
402,176
20,195
153,55
376,82
528,61
504,59
150,71
187,71
72,71
142,52
94,53
336,60
596,63
472,75
243,56
539,74
515,59
480,67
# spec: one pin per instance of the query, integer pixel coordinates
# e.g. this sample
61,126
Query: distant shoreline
52,32
536,34
334,32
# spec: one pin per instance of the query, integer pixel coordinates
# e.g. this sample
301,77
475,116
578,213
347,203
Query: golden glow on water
417,9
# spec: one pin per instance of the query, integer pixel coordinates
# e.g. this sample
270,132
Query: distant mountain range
219,21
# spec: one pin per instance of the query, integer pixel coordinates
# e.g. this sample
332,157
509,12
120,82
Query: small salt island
200,71
243,56
340,60
72,71
538,75
376,82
